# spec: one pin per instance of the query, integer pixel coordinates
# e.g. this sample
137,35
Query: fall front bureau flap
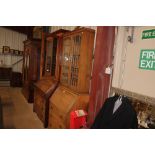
63,101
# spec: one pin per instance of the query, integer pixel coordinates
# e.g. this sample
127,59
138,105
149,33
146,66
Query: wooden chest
43,90
62,102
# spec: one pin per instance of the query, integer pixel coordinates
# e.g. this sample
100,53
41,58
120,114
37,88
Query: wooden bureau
43,90
50,72
73,90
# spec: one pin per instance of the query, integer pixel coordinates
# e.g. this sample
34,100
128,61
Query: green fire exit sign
147,59
148,34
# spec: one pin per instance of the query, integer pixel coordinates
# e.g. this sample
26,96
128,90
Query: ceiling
28,30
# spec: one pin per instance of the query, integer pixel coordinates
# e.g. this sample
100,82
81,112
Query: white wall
15,41
127,74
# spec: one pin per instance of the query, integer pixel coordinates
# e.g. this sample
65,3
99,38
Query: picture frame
6,49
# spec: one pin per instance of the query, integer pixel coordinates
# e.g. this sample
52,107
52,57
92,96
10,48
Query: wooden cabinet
31,65
44,88
77,60
72,93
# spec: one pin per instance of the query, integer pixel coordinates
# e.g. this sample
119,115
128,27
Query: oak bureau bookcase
73,90
50,73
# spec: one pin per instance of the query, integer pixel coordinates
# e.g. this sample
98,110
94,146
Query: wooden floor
17,113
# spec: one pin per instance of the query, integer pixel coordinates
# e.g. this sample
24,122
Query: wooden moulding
79,31
62,102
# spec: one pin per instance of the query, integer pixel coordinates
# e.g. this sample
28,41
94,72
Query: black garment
124,118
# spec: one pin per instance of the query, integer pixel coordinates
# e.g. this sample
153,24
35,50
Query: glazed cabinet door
75,59
70,61
66,59
48,60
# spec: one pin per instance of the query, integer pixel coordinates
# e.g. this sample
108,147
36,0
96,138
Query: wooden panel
58,58
56,122
100,81
62,102
49,54
42,60
39,104
85,64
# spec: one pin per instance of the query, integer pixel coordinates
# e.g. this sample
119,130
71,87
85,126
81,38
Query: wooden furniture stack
31,67
73,91
50,72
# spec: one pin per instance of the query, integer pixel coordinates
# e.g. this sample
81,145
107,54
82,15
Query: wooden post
100,82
